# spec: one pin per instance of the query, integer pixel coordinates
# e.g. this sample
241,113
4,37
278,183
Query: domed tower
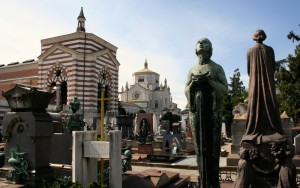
146,93
146,78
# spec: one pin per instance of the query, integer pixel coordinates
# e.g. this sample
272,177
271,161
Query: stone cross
102,99
85,152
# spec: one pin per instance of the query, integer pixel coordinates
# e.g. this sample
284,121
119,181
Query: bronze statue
206,85
263,113
144,134
265,154
74,105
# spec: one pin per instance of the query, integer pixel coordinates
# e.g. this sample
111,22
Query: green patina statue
206,85
126,162
74,105
74,122
19,164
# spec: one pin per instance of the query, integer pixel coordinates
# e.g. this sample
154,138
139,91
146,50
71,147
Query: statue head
204,48
259,36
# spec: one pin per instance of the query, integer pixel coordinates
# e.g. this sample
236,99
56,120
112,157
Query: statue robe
205,119
263,113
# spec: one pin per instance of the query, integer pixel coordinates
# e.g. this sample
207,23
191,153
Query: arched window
156,105
64,92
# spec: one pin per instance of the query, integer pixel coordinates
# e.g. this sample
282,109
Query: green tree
226,109
141,111
236,94
288,82
168,116
236,88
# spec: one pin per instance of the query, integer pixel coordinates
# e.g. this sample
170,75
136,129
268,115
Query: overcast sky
163,31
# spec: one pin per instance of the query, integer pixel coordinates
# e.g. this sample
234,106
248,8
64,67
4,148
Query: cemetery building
77,64
147,93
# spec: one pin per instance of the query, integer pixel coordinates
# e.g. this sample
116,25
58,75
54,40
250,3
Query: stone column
115,172
84,170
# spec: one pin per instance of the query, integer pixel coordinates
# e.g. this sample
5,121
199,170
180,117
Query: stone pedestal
28,129
266,165
32,132
237,131
145,149
125,124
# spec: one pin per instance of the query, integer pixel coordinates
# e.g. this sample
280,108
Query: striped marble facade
83,60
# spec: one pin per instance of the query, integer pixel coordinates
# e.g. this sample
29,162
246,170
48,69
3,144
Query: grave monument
145,138
27,129
265,154
206,85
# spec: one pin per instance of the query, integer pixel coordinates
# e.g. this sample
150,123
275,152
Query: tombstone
224,130
145,138
61,143
155,124
29,128
297,144
188,131
238,128
125,123
168,141
136,125
87,150
287,126
148,117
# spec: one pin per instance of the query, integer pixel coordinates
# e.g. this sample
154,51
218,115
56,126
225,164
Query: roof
145,69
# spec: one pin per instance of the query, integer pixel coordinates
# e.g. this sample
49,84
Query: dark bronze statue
74,105
144,135
265,154
206,85
74,122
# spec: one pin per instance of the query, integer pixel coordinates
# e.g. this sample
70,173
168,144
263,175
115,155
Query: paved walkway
192,173
188,167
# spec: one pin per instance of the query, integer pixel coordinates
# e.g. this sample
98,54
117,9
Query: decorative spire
126,87
146,64
81,20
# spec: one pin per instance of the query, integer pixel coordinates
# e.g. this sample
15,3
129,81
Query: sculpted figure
263,113
265,154
206,85
144,128
74,105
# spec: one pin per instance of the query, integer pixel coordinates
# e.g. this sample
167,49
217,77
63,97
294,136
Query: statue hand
199,79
